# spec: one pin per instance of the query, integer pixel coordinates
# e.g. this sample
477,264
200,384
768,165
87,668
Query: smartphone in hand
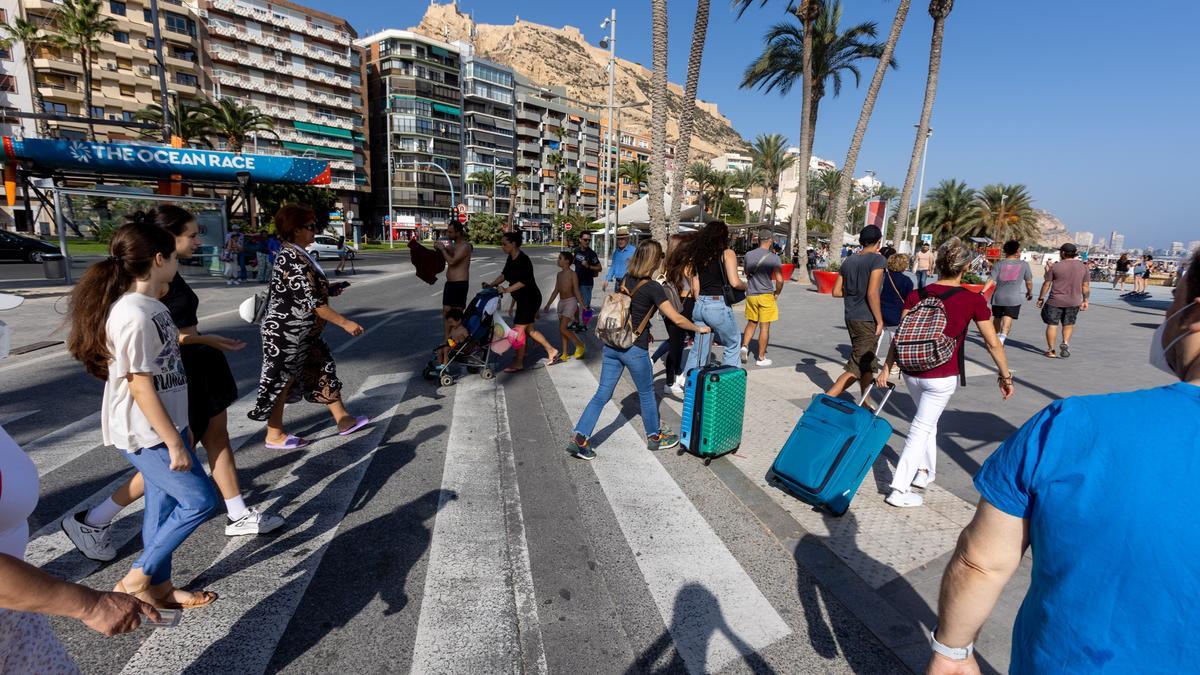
170,619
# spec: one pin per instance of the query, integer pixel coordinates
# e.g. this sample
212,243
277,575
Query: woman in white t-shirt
125,336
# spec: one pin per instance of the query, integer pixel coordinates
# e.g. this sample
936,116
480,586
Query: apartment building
550,126
125,70
414,95
489,131
301,67
15,96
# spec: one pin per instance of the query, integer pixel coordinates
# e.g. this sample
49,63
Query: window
186,79
149,43
56,108
8,83
128,116
71,135
183,54
154,70
116,7
121,36
98,112
126,90
177,23
147,16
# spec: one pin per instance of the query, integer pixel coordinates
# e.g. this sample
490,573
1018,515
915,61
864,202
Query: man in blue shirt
1116,547
620,258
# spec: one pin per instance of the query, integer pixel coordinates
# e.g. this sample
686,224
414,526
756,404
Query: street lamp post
611,42
920,193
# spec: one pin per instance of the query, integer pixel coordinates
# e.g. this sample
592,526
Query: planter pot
788,269
825,280
974,288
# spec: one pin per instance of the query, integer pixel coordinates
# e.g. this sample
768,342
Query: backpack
921,342
614,326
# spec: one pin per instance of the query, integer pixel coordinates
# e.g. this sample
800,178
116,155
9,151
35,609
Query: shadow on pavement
696,619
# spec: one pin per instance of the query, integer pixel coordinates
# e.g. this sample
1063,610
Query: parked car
326,246
15,246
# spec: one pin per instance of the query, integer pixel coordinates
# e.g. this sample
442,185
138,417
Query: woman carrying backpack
932,375
645,295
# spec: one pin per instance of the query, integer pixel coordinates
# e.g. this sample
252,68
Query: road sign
461,208
462,217
567,227
927,238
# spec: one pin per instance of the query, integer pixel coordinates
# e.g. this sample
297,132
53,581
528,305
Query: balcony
297,25
60,91
288,134
227,78
226,29
242,58
65,64
294,113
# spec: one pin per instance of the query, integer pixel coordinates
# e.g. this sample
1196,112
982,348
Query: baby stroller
472,352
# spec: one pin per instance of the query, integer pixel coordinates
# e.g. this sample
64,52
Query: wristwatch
952,653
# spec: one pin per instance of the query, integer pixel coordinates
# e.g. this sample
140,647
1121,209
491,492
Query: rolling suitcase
831,450
713,407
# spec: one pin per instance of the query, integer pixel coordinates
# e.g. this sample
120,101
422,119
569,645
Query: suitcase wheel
707,461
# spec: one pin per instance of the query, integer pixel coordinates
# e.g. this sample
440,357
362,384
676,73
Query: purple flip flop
291,443
359,422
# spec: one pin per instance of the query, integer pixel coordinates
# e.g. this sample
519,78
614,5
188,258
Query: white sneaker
94,543
745,354
763,363
1002,337
922,480
677,390
253,522
904,500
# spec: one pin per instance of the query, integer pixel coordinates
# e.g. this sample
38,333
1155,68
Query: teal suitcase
714,404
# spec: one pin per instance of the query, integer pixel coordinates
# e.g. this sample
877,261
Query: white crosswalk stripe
16,415
273,585
471,620
55,449
695,581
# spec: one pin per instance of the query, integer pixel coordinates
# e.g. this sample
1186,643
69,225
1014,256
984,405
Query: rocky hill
1052,232
561,57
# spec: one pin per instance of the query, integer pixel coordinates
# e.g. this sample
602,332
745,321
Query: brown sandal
199,598
1051,354
142,594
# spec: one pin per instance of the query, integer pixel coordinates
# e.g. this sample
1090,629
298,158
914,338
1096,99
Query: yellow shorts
762,308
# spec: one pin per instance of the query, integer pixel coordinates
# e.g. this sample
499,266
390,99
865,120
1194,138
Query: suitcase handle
891,389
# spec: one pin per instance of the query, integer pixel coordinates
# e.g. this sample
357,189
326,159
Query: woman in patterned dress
296,361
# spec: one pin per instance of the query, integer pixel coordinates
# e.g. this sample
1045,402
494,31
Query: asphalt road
453,535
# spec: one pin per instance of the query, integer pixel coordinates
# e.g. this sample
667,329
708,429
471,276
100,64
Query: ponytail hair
169,217
131,256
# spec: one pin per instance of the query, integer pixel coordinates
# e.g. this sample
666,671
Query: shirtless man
458,270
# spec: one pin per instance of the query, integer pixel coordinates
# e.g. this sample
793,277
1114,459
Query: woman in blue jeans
714,265
645,295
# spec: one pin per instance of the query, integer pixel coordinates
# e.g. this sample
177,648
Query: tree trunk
799,226
512,202
87,93
39,101
864,118
914,162
687,117
658,124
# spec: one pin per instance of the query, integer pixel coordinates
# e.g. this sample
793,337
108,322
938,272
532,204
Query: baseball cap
870,235
9,301
1068,248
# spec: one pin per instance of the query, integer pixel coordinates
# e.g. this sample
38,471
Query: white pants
920,450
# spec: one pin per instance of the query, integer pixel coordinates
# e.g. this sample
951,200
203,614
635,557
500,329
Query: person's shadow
696,617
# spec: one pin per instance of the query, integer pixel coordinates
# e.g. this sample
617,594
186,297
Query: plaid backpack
921,341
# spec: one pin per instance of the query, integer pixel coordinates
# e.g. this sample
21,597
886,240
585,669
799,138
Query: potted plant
827,277
972,282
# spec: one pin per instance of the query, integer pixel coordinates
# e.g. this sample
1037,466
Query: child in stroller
470,336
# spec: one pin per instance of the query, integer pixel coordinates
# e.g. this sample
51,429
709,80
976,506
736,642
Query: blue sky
1090,103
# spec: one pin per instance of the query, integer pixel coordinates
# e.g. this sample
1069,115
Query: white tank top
18,496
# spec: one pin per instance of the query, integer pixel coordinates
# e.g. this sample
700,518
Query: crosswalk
481,610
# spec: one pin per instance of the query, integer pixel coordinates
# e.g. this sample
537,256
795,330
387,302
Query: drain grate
35,346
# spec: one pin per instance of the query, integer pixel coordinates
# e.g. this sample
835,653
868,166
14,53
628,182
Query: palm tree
746,179
637,172
555,159
864,119
949,210
770,156
827,182
1004,212
570,183
78,27
30,35
189,122
517,183
720,183
701,174
235,122
502,179
939,10
658,119
486,180
687,116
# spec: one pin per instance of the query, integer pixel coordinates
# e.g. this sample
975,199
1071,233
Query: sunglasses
586,239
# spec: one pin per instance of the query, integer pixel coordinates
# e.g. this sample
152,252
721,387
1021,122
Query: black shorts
211,387
1052,316
527,309
1011,311
455,294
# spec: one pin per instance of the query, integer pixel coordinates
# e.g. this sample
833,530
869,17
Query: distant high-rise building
1176,248
1192,246
1116,243
1084,238
489,132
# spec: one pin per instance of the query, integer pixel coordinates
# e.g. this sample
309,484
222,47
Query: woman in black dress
518,272
211,390
296,361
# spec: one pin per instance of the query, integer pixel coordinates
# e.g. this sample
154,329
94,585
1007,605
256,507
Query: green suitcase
713,408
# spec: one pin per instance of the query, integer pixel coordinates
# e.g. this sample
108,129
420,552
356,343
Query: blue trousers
586,292
177,502
637,360
712,311
921,274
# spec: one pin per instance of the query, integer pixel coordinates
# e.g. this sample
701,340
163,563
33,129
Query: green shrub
483,228
972,278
